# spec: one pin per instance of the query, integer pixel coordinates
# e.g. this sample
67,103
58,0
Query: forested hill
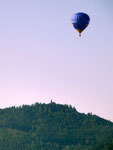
53,127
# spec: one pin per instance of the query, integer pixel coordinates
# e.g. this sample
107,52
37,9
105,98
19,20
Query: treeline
52,127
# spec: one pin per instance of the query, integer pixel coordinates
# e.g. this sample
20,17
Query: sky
42,57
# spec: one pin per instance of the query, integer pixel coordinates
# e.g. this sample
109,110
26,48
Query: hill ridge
52,126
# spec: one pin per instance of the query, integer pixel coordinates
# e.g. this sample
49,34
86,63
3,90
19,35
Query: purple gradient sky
43,58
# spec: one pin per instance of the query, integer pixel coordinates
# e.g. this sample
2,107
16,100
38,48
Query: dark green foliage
104,146
53,127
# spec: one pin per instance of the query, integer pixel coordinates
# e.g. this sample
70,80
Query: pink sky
43,58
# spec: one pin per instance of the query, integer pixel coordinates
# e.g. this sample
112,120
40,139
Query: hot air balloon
80,21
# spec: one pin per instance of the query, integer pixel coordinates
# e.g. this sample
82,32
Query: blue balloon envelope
80,21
